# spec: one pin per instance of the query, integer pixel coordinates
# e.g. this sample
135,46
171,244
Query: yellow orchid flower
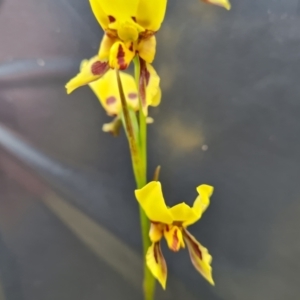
129,28
223,3
172,223
107,91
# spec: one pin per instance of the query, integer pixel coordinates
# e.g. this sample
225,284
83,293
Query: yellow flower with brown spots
171,223
129,30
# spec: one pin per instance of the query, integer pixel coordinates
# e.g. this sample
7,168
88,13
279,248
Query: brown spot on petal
132,96
111,33
99,67
175,241
134,19
194,246
147,76
146,34
155,253
121,58
131,47
197,250
111,100
144,81
111,19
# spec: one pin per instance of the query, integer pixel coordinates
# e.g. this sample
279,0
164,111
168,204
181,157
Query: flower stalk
137,139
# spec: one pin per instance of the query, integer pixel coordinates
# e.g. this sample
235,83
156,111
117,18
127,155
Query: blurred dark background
229,117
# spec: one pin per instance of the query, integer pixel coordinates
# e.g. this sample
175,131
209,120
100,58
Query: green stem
131,136
149,280
138,153
142,117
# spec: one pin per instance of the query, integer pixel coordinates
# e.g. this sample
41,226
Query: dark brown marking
111,33
156,248
194,245
197,250
147,77
131,47
175,241
98,67
143,81
147,34
121,58
111,19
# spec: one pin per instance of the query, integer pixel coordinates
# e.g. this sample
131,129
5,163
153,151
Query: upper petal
189,215
201,203
156,263
119,9
151,199
182,213
101,17
200,257
150,13
90,71
223,3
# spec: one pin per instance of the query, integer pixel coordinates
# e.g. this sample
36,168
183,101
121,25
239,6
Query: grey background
229,117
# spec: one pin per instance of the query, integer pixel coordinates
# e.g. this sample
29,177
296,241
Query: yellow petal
113,127
156,99
120,56
91,70
223,3
183,213
149,120
156,232
157,264
201,203
149,86
147,48
151,199
101,17
153,92
105,46
173,236
107,91
200,257
150,14
119,9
